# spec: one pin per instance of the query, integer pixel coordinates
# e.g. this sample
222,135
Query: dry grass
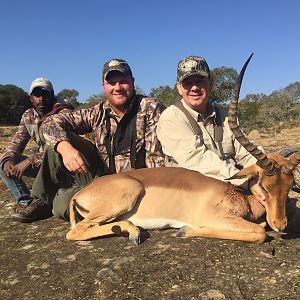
6,134
278,139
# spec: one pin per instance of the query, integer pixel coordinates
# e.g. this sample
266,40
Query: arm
56,127
17,144
37,158
8,167
55,131
19,169
154,154
73,160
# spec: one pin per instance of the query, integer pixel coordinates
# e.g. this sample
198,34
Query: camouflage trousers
55,185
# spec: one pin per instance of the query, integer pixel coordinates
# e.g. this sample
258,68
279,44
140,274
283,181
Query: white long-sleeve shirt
201,154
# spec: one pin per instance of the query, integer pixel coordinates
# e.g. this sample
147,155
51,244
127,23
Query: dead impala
180,198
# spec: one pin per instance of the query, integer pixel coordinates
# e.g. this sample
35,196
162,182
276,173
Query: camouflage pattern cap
192,65
41,82
116,64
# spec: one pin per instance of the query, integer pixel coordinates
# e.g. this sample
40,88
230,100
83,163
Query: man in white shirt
211,148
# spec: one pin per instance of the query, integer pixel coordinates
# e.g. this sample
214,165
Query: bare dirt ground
37,262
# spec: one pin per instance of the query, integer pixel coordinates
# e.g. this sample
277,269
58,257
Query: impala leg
233,229
86,230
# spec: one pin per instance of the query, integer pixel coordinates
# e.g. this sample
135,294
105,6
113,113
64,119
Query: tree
280,107
13,102
224,81
93,100
165,94
249,110
292,91
259,110
70,97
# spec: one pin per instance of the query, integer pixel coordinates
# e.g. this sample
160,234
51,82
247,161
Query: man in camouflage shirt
124,136
13,163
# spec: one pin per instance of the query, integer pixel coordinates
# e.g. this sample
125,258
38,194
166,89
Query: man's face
195,91
119,90
42,100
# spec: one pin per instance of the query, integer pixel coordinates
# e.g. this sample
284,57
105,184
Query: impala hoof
181,232
263,224
135,240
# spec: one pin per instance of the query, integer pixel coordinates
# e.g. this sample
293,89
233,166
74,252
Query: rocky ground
37,262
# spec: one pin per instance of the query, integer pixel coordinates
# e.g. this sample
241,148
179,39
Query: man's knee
61,212
52,159
1,171
61,203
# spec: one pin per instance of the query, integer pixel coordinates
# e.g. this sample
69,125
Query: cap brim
115,69
42,87
203,74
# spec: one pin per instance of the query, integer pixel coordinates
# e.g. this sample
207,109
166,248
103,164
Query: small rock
26,247
267,255
107,274
212,295
66,259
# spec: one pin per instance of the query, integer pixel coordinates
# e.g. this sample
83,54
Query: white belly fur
159,223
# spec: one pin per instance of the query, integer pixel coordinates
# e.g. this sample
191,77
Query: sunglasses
38,92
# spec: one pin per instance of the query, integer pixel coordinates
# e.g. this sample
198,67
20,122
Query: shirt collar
36,114
107,105
198,117
111,112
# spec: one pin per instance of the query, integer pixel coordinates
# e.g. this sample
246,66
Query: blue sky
68,41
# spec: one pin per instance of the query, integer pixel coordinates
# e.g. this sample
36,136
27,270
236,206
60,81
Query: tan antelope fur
179,198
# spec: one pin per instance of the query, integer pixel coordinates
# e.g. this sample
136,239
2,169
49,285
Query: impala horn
292,163
262,160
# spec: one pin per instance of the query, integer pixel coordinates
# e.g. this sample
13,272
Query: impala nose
280,225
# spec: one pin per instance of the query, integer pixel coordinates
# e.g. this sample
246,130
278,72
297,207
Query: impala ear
249,172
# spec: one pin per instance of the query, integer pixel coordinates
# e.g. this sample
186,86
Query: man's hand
73,160
8,167
20,168
256,190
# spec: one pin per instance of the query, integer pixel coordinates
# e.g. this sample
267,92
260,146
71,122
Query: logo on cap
116,65
41,82
113,63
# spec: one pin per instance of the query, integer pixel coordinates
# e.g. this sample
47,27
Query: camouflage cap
41,82
116,64
192,65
